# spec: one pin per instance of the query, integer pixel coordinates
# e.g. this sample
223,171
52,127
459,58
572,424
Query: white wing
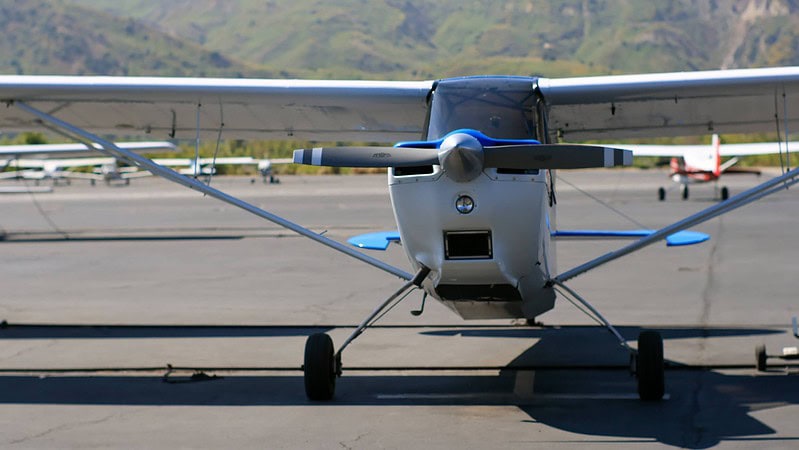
758,148
242,108
60,163
606,107
672,104
62,150
761,148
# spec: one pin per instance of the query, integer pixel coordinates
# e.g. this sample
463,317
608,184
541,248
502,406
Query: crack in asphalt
65,426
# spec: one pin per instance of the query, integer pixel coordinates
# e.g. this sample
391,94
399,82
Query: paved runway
103,287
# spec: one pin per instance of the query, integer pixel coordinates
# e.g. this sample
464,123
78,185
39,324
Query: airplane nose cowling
461,156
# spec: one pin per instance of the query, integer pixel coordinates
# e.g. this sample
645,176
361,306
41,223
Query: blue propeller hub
484,140
460,152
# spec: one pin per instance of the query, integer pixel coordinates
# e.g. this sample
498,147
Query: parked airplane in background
473,192
207,166
34,162
36,165
692,164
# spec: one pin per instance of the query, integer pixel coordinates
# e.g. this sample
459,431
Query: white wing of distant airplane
27,163
233,160
761,148
78,150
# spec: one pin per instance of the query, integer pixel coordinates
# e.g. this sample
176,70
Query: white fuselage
505,277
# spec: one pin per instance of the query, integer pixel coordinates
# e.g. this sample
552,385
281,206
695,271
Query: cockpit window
500,107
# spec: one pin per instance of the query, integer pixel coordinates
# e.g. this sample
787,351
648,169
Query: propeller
366,156
463,156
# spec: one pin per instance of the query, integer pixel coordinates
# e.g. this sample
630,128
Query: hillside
434,38
56,37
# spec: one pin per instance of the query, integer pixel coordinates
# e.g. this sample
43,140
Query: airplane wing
173,162
233,160
672,104
603,107
62,163
759,148
249,108
76,149
135,174
78,175
280,160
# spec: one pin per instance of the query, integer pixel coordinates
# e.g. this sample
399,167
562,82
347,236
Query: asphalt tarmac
149,316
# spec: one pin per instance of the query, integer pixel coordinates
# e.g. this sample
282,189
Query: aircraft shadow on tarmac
703,409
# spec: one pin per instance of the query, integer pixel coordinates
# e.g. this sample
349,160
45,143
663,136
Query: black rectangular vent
468,245
412,170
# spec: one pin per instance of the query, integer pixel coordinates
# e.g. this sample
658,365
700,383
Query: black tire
320,367
661,194
725,193
649,366
760,358
684,191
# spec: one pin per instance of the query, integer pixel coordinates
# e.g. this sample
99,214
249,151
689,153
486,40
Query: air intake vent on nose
468,245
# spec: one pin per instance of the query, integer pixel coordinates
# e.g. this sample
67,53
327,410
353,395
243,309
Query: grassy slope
427,38
53,37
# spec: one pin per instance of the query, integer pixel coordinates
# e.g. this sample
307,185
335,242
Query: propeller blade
555,156
366,156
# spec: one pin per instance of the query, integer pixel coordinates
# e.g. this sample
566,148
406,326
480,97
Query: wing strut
769,187
165,172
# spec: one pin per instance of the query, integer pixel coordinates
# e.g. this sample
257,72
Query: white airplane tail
706,160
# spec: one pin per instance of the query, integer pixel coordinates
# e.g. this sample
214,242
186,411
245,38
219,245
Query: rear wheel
649,366
684,191
725,193
661,194
320,367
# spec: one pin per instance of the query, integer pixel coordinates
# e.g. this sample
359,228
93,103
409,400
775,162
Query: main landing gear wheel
320,367
649,366
684,191
661,194
725,193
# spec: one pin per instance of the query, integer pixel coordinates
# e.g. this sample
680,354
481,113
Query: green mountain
432,38
57,37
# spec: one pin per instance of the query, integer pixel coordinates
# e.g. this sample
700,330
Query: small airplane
36,162
471,182
693,164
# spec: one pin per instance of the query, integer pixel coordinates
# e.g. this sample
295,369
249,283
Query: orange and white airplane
694,164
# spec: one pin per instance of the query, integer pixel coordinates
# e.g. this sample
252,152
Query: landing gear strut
322,365
646,362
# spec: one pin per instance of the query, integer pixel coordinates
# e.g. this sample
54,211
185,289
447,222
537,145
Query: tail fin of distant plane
716,155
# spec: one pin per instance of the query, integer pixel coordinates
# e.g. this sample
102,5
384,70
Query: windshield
500,107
